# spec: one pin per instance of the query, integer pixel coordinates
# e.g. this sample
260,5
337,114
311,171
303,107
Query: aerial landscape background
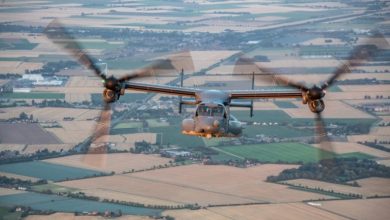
50,106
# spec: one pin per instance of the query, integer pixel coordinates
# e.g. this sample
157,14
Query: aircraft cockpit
211,110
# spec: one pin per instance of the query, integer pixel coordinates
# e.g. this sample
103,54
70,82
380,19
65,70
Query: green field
48,171
16,44
32,95
225,157
285,104
116,131
125,125
262,116
64,204
6,214
172,135
286,152
277,131
154,123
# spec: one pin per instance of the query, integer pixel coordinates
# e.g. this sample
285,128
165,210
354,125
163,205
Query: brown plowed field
22,133
195,184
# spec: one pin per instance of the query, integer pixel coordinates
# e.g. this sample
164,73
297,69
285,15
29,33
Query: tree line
337,170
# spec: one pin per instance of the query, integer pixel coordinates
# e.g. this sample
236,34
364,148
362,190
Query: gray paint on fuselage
213,96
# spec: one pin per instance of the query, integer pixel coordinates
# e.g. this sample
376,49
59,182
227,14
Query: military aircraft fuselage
212,117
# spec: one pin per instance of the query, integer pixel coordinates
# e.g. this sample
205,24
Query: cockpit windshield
204,110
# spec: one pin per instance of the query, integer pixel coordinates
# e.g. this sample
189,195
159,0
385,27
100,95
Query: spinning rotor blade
245,65
248,65
322,138
56,32
182,61
148,71
177,62
358,55
96,152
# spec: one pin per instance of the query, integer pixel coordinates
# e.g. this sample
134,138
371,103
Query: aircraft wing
261,94
172,90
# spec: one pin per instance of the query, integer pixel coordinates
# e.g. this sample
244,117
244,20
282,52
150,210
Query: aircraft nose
208,125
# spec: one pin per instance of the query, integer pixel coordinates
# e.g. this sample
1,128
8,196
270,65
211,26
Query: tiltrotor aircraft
212,117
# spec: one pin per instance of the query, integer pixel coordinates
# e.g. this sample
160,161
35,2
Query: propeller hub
315,93
112,83
113,89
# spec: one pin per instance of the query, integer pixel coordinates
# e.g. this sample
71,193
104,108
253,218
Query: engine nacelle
316,106
235,127
110,95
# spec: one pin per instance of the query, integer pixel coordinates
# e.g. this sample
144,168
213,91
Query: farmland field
50,113
128,125
65,204
195,184
347,147
368,137
127,141
368,187
16,44
172,135
334,109
360,209
262,116
6,214
99,44
285,104
32,134
277,131
32,95
157,123
16,176
288,152
49,171
6,191
119,162
72,216
130,139
255,212
73,132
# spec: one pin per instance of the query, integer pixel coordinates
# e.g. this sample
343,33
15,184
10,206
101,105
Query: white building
48,83
33,77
